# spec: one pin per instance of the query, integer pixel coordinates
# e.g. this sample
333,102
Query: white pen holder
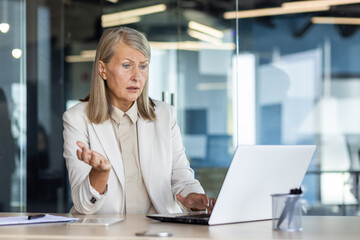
286,212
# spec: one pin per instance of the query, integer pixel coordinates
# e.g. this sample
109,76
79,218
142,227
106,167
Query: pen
31,217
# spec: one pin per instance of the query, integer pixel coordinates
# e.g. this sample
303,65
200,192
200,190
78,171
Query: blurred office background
277,72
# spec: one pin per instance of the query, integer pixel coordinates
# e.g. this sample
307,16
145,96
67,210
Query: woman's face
125,75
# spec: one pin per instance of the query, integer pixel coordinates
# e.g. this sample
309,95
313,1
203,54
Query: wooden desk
324,227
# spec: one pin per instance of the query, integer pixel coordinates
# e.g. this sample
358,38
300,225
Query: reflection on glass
4,27
7,154
294,81
307,83
12,106
16,53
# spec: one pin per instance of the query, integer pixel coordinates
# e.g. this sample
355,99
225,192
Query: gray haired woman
123,150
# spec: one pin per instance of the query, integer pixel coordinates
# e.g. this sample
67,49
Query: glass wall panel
12,106
45,105
279,78
306,92
285,77
82,31
204,94
191,68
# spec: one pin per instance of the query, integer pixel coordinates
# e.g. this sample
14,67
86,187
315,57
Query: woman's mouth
133,89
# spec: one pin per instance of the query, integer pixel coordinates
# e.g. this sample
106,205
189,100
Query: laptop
256,172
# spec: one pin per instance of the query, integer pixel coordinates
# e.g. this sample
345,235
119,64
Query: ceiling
82,17
80,20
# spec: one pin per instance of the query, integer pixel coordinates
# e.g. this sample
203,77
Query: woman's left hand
196,202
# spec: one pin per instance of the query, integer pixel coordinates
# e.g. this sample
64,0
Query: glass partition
306,91
284,75
191,68
46,178
12,106
205,93
275,76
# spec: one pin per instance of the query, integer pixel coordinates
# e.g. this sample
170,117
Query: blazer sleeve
183,180
85,198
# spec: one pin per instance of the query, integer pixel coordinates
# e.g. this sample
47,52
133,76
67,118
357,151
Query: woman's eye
143,67
126,65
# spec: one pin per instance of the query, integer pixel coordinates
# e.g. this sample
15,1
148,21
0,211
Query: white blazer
164,166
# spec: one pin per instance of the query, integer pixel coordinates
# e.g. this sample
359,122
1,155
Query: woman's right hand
97,161
101,167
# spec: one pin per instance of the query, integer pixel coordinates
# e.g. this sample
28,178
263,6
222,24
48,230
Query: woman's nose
135,74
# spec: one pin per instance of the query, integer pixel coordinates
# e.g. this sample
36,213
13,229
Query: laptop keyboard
192,216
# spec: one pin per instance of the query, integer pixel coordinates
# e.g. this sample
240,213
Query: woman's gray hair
99,102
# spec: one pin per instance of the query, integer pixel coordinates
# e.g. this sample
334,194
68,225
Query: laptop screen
255,173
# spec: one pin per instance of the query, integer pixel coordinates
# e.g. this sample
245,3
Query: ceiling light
335,20
91,53
4,27
113,1
342,2
191,46
85,56
273,11
78,58
319,3
133,13
16,53
203,36
206,29
119,22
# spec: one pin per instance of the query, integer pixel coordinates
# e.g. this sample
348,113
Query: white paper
24,220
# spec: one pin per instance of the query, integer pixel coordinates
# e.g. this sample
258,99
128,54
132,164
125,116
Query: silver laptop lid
255,173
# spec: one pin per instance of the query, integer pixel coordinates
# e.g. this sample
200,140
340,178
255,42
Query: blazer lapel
106,135
146,133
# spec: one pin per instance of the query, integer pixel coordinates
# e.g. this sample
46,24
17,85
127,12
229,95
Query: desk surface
322,227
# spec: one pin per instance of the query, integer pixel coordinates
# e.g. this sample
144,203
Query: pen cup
286,212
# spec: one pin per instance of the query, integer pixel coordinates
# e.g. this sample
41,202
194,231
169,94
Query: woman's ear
102,70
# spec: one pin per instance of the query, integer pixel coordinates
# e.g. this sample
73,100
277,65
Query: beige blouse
125,127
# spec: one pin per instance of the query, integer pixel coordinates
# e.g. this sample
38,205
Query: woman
123,150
